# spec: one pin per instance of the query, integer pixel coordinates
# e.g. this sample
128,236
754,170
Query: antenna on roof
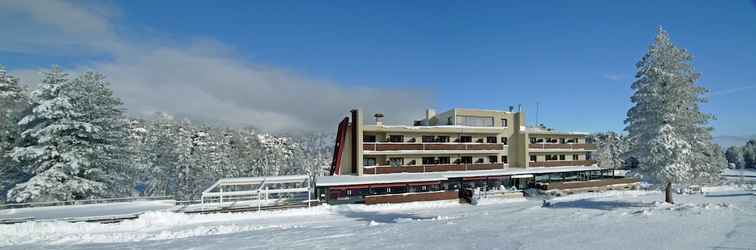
538,109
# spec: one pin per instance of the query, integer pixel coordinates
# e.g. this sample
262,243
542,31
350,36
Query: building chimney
511,108
430,113
378,119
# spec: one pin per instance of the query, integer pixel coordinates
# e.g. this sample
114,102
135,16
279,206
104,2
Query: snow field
607,220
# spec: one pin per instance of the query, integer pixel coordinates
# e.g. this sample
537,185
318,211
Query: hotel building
461,148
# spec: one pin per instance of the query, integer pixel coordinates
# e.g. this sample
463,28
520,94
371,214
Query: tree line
70,139
742,156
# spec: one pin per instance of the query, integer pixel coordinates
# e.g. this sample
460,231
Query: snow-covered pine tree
91,96
12,102
611,149
749,154
55,147
161,157
734,156
669,135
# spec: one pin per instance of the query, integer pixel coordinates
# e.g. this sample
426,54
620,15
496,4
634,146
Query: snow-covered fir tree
55,147
91,97
12,102
611,149
670,137
734,155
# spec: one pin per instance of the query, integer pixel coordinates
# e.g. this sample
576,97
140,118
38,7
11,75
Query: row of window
436,139
534,140
575,157
398,161
479,121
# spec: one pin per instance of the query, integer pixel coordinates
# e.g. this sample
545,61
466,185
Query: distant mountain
730,140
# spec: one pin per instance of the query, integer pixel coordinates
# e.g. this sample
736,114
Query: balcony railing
562,146
431,146
560,163
432,168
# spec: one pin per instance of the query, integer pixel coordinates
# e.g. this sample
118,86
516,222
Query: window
493,159
464,139
443,160
588,156
369,161
466,159
396,138
532,140
533,158
475,121
428,160
504,159
368,138
428,138
396,162
504,140
491,139
411,163
574,157
551,157
504,123
561,157
480,160
442,139
561,140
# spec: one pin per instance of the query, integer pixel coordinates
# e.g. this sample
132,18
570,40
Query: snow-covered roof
537,130
268,179
432,127
327,181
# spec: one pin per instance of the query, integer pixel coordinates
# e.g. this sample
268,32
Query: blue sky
576,58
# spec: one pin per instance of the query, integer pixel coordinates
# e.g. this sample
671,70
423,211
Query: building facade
445,152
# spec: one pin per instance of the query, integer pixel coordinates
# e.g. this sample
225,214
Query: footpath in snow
607,220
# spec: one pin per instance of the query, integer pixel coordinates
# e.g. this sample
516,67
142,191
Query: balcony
432,168
560,163
568,146
431,146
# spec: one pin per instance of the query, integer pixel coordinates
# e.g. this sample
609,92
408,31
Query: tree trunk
668,193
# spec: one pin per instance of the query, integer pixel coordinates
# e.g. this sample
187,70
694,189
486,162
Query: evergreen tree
734,155
91,97
12,102
670,136
54,147
749,154
611,149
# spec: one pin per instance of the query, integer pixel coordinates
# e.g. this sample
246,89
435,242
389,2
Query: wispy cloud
614,77
722,92
201,79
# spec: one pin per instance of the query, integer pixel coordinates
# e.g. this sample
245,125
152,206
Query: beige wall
517,139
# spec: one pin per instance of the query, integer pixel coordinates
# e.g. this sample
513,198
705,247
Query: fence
82,202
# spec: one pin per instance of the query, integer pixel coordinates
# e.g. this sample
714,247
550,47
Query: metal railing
83,202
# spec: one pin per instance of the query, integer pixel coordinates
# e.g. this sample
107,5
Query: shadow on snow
367,216
600,205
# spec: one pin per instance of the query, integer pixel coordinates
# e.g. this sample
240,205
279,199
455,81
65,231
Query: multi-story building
442,153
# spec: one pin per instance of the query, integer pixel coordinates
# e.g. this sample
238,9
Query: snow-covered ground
106,209
609,220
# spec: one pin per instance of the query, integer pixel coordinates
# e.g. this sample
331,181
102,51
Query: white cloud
614,77
731,90
204,80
